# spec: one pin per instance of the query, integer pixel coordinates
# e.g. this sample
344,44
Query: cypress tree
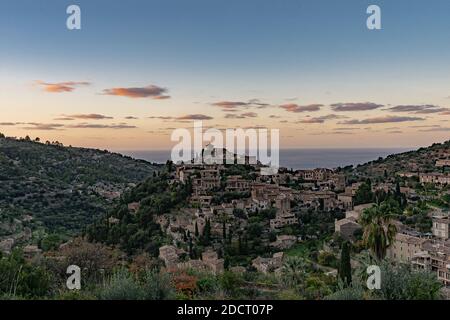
224,231
230,236
191,251
345,268
207,232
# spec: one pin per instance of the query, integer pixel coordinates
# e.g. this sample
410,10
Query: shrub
157,286
121,286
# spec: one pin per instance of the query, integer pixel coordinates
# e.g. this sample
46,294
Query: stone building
347,227
440,227
405,247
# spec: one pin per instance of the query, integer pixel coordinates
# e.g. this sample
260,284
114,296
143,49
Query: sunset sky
137,69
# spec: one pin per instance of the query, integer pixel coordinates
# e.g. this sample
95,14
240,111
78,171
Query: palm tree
294,270
379,230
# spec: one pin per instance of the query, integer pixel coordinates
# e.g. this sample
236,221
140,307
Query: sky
138,69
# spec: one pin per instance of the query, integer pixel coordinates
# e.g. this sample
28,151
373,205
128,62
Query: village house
238,270
386,187
170,255
284,242
284,216
322,198
407,191
351,190
31,251
211,260
437,178
283,203
443,163
407,174
346,228
202,201
319,174
282,177
264,191
335,182
435,256
346,201
283,219
441,227
308,196
339,181
405,247
184,172
208,181
266,265
237,184
357,211
6,245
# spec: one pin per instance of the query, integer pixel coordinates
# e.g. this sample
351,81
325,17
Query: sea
298,158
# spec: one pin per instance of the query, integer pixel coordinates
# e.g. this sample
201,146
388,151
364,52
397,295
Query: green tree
224,231
294,271
364,193
50,242
206,237
158,286
401,282
345,268
196,230
379,230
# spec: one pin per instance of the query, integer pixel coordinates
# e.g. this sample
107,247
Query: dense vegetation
136,231
421,160
60,189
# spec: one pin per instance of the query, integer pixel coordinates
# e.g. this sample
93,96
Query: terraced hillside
58,189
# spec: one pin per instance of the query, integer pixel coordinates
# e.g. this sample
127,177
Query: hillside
47,187
422,160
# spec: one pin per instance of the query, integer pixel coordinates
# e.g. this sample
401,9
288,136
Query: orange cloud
363,106
43,126
59,87
183,118
241,116
231,106
195,117
292,107
151,91
320,119
383,119
121,125
92,116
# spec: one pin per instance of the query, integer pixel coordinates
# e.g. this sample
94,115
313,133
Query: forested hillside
58,189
